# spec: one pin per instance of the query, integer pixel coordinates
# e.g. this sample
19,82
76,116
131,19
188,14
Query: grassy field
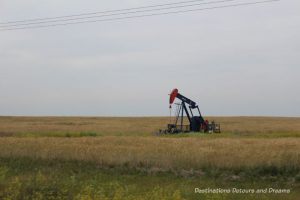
120,158
142,126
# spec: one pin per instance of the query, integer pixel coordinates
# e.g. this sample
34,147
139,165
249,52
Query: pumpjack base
177,129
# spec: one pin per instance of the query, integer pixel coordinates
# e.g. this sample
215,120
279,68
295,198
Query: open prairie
141,126
121,158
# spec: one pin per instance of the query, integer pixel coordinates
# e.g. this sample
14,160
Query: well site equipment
186,108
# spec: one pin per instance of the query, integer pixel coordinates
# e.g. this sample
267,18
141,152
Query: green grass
24,178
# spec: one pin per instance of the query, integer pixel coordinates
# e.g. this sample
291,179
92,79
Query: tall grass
29,179
271,155
76,164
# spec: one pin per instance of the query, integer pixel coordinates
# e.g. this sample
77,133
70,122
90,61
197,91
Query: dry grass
230,157
166,153
62,125
161,153
139,126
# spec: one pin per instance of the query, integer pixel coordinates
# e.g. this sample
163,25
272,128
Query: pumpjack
185,109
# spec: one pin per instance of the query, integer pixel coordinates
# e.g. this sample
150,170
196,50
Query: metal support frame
193,119
181,124
180,114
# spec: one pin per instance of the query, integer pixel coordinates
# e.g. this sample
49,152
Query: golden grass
158,152
154,152
138,125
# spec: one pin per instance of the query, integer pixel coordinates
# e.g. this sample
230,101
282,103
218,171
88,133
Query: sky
239,61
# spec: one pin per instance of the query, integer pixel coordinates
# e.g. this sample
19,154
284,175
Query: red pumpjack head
173,95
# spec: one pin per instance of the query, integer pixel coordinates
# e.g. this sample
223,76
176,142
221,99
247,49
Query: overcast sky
234,61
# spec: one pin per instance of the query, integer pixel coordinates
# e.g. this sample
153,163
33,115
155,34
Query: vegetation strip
275,156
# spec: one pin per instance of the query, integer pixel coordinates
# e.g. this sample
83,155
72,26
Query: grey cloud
236,61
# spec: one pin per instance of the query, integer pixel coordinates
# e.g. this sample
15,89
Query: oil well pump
188,109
